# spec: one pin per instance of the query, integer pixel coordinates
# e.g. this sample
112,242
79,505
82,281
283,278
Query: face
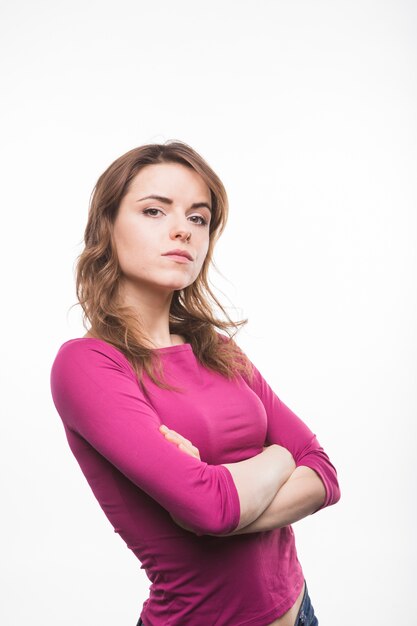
146,229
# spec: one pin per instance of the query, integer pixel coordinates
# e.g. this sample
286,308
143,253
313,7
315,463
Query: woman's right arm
98,397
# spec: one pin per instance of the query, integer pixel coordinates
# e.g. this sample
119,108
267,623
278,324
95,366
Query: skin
145,230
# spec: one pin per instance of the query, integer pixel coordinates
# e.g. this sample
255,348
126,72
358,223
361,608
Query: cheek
130,248
203,253
206,246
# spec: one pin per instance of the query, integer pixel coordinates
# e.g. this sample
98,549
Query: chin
174,286
181,287
177,285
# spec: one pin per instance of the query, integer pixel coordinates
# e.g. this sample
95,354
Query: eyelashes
203,221
146,211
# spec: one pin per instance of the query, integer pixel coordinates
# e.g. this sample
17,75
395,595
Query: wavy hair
191,312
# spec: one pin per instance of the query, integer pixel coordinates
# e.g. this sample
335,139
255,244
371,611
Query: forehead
171,180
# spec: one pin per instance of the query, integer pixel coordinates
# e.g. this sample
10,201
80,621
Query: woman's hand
187,447
183,444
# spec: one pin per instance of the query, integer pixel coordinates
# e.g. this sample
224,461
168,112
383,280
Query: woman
196,462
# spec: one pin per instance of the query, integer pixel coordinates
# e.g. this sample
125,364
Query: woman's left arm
285,428
313,485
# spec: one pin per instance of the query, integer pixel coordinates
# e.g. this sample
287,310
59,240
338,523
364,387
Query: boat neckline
175,348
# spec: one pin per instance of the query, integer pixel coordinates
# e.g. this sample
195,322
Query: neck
152,310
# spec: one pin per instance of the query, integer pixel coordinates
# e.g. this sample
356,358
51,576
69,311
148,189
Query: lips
179,252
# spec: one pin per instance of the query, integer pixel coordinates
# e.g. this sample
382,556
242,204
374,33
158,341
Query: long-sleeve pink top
140,479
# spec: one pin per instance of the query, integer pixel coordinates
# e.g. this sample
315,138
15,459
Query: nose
184,235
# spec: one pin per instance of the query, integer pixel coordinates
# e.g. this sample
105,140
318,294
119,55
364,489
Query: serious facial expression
167,207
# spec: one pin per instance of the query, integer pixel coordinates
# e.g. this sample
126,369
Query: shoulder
231,344
222,338
85,345
88,354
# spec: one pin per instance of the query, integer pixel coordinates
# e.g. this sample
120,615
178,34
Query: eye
200,217
151,209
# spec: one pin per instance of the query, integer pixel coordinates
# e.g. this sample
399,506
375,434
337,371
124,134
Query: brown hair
98,273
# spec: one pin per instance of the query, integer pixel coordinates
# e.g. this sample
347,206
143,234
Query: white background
307,112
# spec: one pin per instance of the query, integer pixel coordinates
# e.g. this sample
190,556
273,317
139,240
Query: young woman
196,462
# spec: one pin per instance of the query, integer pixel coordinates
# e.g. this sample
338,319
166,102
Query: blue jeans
305,616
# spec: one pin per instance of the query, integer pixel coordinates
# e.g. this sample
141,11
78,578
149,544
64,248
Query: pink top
139,478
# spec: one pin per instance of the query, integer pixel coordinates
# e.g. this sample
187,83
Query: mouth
179,253
181,258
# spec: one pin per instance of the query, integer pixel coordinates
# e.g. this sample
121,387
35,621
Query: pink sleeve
97,395
289,431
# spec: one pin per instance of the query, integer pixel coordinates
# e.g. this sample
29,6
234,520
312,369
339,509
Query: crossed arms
97,395
272,491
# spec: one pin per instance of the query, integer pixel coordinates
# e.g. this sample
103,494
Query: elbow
216,511
220,521
206,526
319,461
211,505
332,492
333,487
217,528
336,493
222,514
328,484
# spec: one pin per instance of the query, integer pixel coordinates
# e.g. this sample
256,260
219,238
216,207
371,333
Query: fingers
192,450
173,435
182,442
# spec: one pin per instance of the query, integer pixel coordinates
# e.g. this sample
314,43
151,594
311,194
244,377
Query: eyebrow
196,205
